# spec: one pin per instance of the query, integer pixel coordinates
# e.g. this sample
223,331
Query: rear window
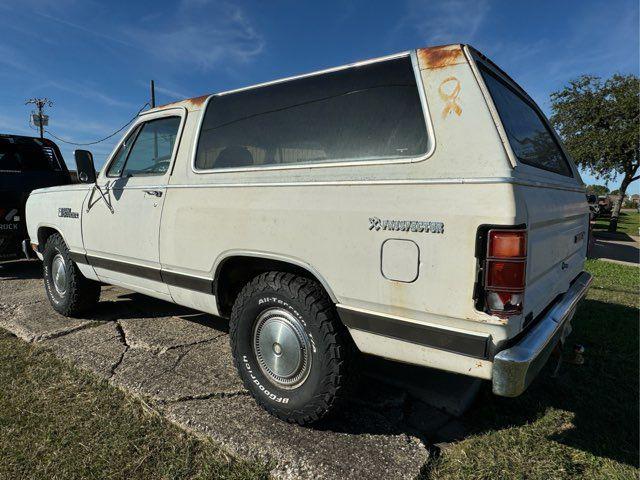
363,113
27,157
529,133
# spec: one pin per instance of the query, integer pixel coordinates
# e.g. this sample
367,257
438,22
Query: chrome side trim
431,181
334,163
516,367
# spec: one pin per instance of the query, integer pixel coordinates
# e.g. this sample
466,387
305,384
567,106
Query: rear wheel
69,292
289,346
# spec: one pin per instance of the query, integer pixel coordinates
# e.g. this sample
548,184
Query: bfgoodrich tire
290,348
69,292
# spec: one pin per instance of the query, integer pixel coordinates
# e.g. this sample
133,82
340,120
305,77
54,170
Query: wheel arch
44,232
233,269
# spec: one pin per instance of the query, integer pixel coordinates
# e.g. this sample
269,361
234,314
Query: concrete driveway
179,361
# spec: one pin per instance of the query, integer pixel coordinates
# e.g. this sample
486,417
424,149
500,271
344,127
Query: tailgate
558,222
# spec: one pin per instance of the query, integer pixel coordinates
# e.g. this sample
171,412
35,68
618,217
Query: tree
599,124
597,189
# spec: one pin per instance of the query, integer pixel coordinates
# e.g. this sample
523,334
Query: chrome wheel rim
282,348
59,274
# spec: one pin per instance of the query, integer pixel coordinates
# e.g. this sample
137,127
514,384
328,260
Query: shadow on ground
20,270
601,395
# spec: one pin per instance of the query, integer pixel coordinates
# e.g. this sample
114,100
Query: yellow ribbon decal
449,90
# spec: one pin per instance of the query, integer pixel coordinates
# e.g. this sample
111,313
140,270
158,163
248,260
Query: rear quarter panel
320,216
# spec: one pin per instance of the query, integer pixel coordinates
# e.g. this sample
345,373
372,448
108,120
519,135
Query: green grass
583,424
628,222
57,422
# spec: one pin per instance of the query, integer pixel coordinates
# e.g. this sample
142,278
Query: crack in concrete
206,396
62,333
123,340
191,344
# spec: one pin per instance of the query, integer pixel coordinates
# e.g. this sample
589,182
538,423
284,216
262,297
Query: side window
366,113
529,133
151,152
148,149
9,159
115,169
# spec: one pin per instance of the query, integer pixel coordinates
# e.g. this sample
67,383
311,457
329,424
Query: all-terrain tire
74,292
301,301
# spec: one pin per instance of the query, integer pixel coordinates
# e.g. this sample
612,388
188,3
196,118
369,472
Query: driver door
121,231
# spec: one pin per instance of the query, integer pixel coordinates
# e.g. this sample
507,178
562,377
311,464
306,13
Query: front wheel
290,348
69,292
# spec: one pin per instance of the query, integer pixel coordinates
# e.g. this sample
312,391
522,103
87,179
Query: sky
95,59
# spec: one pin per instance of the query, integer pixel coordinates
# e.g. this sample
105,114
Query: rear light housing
504,264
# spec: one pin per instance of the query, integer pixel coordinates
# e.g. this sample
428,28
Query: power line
102,139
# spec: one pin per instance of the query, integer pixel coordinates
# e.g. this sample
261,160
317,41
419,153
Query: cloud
437,23
171,93
12,59
89,92
200,34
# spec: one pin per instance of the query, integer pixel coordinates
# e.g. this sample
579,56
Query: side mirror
86,168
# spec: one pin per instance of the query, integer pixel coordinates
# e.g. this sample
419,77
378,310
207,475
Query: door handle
155,193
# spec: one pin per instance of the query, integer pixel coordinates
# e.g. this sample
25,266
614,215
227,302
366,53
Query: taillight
505,269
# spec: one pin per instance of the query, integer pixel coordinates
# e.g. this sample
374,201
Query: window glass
27,157
115,169
152,149
9,160
529,136
363,113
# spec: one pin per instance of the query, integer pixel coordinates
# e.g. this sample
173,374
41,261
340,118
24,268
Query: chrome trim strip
516,367
432,181
334,163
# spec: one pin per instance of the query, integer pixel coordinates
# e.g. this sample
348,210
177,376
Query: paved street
179,362
617,248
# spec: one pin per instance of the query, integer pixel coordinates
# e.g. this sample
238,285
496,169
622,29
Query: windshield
529,134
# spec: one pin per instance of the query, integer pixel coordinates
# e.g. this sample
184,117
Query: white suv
418,207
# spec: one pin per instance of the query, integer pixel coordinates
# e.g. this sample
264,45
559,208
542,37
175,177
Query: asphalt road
179,361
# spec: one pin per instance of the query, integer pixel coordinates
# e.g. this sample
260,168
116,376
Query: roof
440,56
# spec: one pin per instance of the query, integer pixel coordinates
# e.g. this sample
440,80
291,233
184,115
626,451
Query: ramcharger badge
67,213
405,225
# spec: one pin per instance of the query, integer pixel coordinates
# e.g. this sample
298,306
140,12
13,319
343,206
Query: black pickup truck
26,163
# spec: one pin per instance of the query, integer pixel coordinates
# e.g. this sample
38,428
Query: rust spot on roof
194,102
197,101
440,57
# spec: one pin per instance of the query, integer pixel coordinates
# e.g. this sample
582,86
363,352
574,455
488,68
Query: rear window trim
431,143
485,69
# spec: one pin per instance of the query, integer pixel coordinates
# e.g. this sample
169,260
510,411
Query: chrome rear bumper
516,367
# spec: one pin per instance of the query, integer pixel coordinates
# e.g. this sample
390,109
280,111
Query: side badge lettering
405,225
67,213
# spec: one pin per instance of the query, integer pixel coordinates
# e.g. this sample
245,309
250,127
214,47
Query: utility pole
40,119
